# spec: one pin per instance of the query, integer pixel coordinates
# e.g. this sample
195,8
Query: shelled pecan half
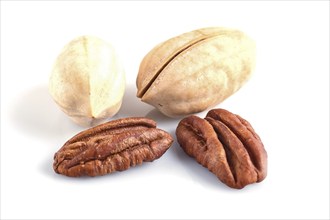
113,146
227,145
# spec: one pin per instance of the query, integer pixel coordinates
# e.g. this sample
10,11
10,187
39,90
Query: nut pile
88,83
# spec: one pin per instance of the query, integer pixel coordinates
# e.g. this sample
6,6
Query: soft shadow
36,114
161,119
132,105
46,166
197,172
165,123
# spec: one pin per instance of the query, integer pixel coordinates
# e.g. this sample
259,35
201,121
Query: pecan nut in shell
215,61
113,146
227,145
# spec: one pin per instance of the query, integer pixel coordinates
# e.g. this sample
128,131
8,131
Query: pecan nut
227,145
113,146
215,61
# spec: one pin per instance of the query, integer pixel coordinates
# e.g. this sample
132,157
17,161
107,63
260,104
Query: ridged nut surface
227,145
113,146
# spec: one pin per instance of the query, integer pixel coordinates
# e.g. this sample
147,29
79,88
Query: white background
286,101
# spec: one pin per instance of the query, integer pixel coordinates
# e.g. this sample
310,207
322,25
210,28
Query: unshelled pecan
227,145
196,70
113,146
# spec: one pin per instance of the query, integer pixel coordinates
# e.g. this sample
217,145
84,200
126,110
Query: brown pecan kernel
227,145
113,146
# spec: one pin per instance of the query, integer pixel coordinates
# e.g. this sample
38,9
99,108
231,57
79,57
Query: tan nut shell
87,81
196,70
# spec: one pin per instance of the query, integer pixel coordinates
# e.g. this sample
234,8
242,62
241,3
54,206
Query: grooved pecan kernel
113,146
227,145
